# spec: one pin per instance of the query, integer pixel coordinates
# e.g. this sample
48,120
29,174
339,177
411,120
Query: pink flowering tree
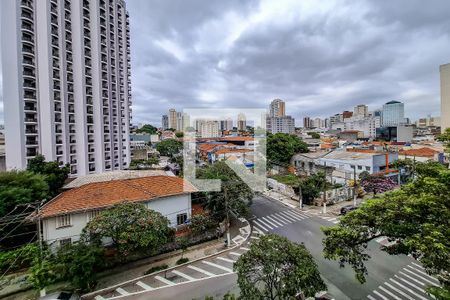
376,183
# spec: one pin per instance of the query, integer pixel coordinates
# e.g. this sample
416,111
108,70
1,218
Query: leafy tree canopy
276,268
201,223
416,217
141,164
55,174
21,187
131,227
281,147
445,137
147,128
179,134
314,135
239,193
376,183
169,147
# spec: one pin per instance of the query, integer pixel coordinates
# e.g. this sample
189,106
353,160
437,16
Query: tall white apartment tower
445,96
66,83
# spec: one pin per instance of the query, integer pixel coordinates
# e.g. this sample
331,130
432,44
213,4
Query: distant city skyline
228,54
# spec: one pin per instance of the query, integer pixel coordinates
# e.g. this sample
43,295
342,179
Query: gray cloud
320,59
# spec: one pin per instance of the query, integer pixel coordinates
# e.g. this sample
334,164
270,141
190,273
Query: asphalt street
390,277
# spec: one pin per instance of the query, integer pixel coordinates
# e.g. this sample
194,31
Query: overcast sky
320,59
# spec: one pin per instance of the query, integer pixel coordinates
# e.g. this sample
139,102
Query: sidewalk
131,278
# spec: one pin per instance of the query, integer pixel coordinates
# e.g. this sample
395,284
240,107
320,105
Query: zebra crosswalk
408,284
279,219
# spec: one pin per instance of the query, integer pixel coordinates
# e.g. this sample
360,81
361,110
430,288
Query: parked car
347,208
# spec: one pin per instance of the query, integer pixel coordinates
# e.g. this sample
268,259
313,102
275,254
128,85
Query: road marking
275,221
289,216
200,270
279,216
185,276
299,214
381,295
264,219
259,225
409,271
164,280
371,298
122,291
245,249
144,286
235,254
257,230
217,266
98,297
332,219
409,283
263,222
389,293
226,259
428,276
417,265
407,289
397,290
294,215
412,278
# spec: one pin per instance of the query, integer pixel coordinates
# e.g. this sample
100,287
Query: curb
246,229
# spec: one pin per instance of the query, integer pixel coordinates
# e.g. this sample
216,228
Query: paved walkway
214,265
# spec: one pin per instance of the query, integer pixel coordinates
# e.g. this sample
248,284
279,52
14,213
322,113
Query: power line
15,260
4,237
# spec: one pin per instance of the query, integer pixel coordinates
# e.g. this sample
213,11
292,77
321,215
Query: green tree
311,187
201,223
239,195
169,147
445,138
276,268
142,164
179,134
314,135
131,226
80,263
415,217
281,147
55,174
21,187
183,244
147,128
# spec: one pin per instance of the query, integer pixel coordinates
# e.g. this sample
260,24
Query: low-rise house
64,217
421,154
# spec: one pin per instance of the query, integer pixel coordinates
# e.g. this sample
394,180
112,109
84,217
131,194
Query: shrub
182,260
156,269
19,258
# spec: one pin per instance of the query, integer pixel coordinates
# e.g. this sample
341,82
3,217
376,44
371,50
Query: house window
359,167
63,221
368,169
181,219
93,213
64,242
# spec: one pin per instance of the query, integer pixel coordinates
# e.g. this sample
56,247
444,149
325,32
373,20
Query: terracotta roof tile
421,152
104,194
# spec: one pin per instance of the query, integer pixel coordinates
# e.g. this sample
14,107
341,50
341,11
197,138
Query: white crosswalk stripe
409,283
217,266
200,270
226,259
144,286
278,219
181,274
164,280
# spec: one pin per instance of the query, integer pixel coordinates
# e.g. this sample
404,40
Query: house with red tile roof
64,217
420,154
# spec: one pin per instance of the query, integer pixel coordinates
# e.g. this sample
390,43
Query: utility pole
354,186
300,197
42,292
324,191
228,216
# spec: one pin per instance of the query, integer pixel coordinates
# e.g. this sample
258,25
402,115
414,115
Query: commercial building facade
393,114
66,81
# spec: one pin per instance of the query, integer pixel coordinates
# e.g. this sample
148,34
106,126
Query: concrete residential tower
66,81
445,96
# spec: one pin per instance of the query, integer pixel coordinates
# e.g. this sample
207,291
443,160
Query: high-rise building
241,122
347,114
361,110
393,113
226,124
208,128
306,122
165,122
66,83
277,108
445,96
172,118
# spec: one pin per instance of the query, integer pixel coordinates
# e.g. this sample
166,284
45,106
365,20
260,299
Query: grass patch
155,269
182,260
